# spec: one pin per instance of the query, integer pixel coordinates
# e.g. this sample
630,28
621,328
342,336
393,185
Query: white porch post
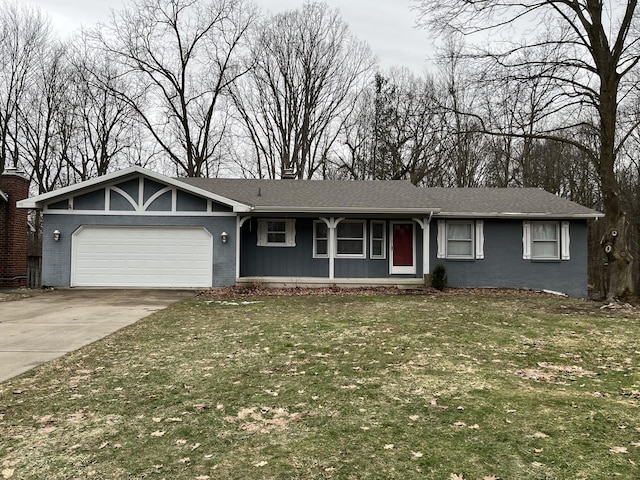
425,223
332,223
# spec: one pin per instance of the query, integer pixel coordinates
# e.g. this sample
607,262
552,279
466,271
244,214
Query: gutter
585,216
342,210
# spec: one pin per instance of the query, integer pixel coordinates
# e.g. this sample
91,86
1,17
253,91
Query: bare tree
46,120
180,57
463,147
589,50
23,34
105,132
306,73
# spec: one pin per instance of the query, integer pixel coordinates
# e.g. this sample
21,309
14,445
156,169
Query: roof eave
585,216
344,210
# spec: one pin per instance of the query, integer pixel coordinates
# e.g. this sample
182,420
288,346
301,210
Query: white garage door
141,257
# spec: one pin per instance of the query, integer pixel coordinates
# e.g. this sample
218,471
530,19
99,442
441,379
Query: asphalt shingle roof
328,195
369,196
503,202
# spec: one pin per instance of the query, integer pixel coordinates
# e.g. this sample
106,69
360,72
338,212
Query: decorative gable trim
115,178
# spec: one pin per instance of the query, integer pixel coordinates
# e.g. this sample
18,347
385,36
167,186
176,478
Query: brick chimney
14,228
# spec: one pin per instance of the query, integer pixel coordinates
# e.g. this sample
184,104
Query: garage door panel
142,257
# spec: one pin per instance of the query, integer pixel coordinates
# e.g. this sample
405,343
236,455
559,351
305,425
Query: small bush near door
439,277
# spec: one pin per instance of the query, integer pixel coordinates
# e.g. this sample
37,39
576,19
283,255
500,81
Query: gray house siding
56,257
503,265
298,261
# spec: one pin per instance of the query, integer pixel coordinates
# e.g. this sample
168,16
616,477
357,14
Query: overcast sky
386,25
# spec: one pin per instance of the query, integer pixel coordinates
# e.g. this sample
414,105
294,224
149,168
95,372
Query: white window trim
290,232
364,240
315,254
528,240
384,239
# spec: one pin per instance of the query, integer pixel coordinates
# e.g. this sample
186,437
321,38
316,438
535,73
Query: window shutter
526,240
565,241
291,233
262,233
442,239
480,239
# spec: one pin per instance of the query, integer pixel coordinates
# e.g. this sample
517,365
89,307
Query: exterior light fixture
224,236
56,235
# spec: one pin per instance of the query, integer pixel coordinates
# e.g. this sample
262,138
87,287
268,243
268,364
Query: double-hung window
276,233
351,239
378,239
546,240
461,239
320,239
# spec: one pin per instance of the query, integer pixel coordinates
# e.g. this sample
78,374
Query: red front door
403,248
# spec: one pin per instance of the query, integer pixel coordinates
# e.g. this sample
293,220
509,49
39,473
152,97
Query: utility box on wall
14,228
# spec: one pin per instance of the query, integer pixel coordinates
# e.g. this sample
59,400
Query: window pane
321,247
350,230
544,249
321,230
276,237
459,248
276,227
376,248
377,230
350,247
544,231
460,231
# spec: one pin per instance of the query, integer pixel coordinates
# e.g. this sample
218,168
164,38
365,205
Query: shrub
439,277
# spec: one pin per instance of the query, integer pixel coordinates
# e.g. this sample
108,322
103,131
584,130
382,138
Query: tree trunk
615,241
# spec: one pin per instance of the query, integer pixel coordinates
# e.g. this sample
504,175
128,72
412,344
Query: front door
403,251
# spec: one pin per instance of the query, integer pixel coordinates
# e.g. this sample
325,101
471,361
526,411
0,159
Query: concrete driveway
38,326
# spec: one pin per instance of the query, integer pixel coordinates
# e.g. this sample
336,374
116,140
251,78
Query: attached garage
139,256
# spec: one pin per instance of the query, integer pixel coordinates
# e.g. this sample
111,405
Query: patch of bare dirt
253,291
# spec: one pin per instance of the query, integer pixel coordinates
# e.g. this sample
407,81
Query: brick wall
14,229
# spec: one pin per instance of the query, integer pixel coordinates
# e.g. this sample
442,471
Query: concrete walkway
38,326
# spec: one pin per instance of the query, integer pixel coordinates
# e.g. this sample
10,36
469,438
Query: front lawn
463,386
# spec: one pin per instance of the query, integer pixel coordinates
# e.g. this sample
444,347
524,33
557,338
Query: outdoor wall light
224,236
56,235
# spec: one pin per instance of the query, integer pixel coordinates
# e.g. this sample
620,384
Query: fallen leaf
181,441
184,460
203,477
490,477
539,435
157,419
117,445
455,476
416,454
260,464
157,433
459,424
389,446
195,445
618,450
8,473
